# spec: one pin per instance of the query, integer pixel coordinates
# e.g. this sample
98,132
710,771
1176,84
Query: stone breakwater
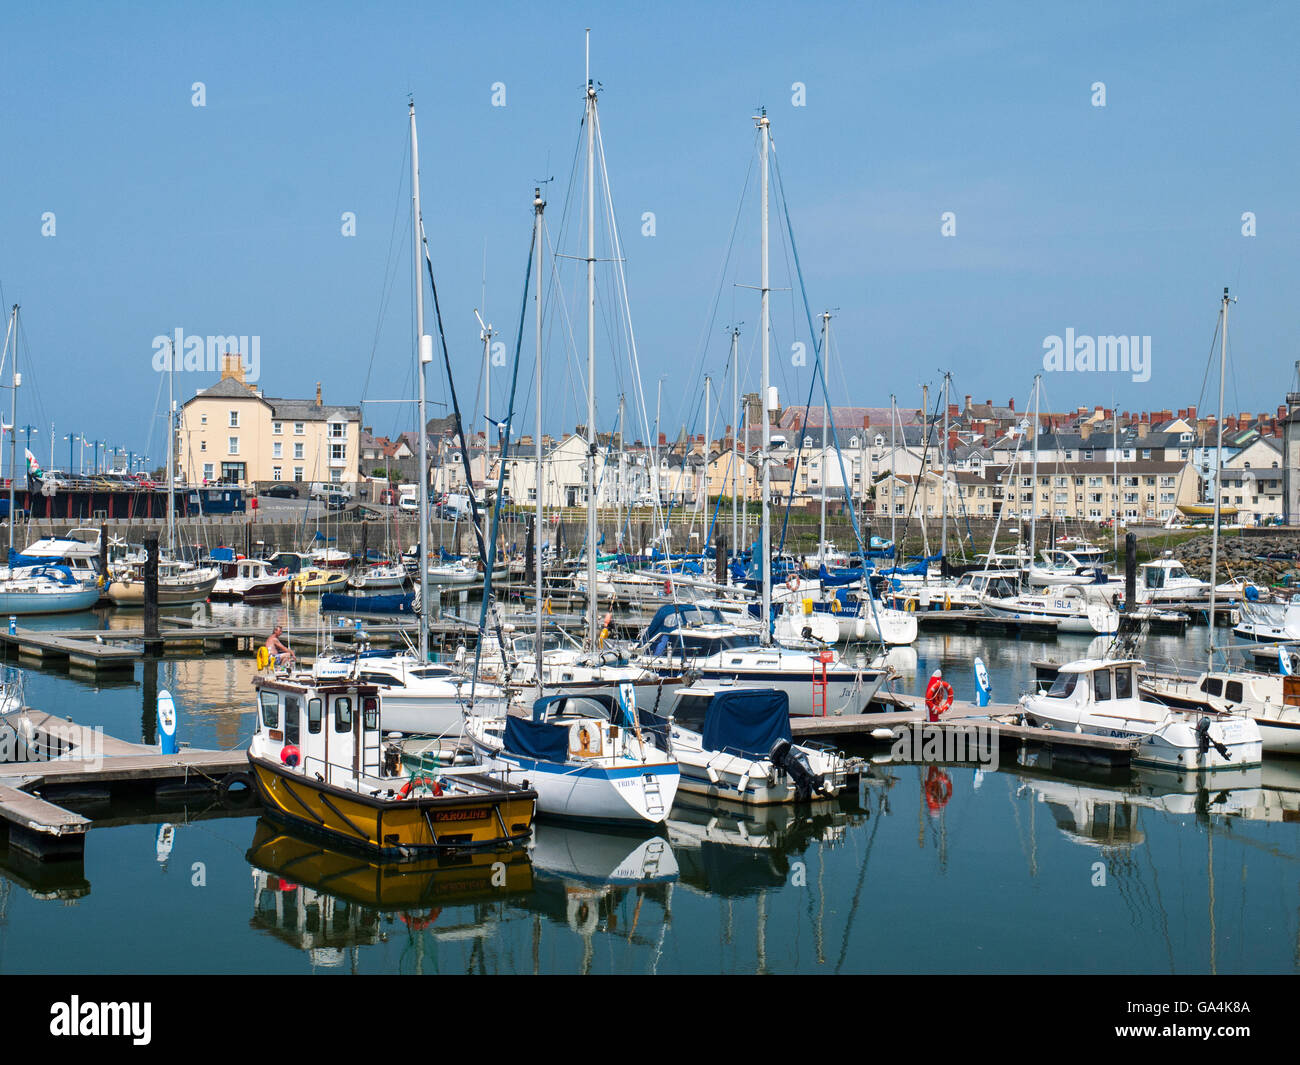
1240,556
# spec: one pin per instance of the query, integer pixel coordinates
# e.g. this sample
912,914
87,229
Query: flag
33,467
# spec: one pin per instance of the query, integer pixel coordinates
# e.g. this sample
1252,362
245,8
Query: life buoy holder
835,606
938,698
792,582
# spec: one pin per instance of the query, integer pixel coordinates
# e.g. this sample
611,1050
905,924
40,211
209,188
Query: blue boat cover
222,554
532,739
746,721
17,560
339,602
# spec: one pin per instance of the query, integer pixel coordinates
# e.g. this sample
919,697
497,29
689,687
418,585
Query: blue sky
225,219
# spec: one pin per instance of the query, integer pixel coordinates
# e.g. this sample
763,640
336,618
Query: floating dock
50,758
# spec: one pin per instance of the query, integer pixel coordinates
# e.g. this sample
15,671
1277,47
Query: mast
1114,480
13,424
423,355
943,495
708,399
735,433
765,548
487,334
1033,491
893,472
1218,473
171,448
826,340
539,205
591,354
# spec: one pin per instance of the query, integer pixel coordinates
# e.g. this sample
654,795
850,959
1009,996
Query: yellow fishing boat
320,762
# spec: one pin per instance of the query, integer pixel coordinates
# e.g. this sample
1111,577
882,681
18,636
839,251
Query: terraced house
230,433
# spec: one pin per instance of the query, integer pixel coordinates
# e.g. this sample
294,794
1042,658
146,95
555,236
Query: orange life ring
938,698
282,572
792,583
420,782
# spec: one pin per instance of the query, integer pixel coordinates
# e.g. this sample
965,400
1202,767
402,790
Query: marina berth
321,761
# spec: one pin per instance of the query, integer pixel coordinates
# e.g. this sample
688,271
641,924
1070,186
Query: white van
321,489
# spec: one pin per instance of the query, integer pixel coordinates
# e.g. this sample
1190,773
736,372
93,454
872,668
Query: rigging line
490,560
385,289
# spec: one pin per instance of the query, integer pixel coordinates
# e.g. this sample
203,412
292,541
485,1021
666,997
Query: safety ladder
820,684
654,798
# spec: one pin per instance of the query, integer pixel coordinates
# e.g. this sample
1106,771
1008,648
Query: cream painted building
231,433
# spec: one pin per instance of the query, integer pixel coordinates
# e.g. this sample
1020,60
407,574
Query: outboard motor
1204,742
787,757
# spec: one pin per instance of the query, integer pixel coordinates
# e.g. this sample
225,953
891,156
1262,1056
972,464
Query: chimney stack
318,393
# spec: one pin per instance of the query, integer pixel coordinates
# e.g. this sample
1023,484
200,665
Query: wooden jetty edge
55,758
910,710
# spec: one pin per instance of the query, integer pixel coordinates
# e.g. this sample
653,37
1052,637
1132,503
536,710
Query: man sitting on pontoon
282,655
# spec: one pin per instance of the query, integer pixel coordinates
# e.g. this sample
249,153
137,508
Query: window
234,419
1064,685
275,472
270,710
298,428
1101,684
297,473
370,712
342,714
203,445
339,452
277,428
207,471
298,451
1124,683
234,445
292,708
338,430
313,716
277,450
1212,686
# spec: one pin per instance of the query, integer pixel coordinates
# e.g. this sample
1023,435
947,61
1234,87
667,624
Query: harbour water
921,869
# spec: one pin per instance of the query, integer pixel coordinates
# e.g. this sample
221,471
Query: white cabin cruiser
1073,609
735,743
1099,696
1269,622
249,579
1270,699
419,698
1074,563
1166,580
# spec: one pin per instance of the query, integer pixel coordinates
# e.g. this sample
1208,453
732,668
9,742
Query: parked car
335,501
283,490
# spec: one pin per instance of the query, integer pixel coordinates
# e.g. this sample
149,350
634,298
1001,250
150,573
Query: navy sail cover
747,722
532,739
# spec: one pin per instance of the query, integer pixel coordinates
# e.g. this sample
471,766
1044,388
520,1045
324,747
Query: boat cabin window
370,712
270,709
1177,572
1064,685
342,714
1101,684
1155,577
689,712
292,708
313,716
431,673
1212,686
382,678
580,707
1124,682
1233,691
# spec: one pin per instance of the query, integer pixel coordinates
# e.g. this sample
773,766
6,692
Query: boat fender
547,605
668,587
835,606
910,605
290,756
240,783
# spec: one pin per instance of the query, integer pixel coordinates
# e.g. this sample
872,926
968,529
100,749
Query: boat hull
48,602
131,593
395,830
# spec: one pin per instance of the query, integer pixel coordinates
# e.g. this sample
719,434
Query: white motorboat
816,682
1269,622
1071,608
380,575
418,698
735,743
1071,562
249,579
1166,580
1270,699
586,757
1100,697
